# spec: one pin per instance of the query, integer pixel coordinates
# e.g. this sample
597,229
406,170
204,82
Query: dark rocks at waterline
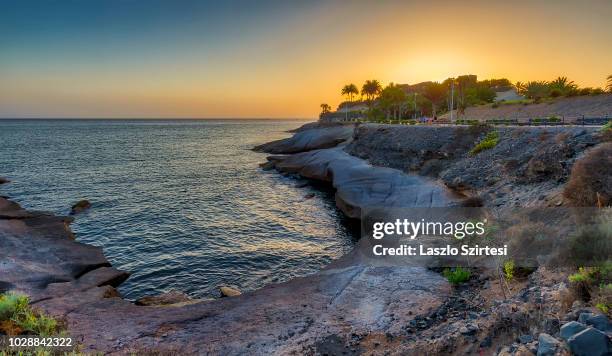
590,342
310,139
169,298
229,291
80,206
4,180
266,166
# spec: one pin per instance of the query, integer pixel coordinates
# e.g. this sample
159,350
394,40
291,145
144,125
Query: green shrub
509,269
584,275
490,141
603,307
457,275
17,317
607,127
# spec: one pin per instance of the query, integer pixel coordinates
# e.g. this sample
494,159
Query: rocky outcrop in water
359,184
309,139
80,206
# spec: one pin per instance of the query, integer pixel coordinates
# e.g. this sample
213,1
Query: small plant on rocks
457,275
490,141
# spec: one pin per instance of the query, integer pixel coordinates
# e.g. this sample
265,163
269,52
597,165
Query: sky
277,59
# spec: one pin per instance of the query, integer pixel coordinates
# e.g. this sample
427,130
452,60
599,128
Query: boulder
599,322
3,180
229,291
169,298
266,166
80,206
570,329
584,316
589,342
547,345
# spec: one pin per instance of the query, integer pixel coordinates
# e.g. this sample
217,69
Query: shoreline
346,295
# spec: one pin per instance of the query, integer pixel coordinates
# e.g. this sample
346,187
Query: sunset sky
273,59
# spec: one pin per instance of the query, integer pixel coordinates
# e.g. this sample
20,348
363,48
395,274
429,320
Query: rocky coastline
350,307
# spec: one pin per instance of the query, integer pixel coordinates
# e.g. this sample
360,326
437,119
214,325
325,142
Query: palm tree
609,85
520,88
561,86
536,90
325,108
435,92
371,88
349,90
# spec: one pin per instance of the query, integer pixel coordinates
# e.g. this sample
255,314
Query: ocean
181,204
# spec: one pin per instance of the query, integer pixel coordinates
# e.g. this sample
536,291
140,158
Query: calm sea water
181,204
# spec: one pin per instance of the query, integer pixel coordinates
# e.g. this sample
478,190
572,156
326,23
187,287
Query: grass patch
515,102
490,141
457,275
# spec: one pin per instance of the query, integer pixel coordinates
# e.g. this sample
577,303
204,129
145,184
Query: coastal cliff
350,307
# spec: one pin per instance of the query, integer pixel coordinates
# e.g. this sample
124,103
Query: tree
392,99
609,85
464,82
520,88
479,94
370,89
536,90
349,90
325,108
561,86
435,92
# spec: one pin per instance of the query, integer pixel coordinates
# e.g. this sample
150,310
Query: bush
509,269
17,317
593,284
590,182
488,142
457,275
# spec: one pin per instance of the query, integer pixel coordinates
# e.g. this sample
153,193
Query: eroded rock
80,206
169,298
309,139
229,291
